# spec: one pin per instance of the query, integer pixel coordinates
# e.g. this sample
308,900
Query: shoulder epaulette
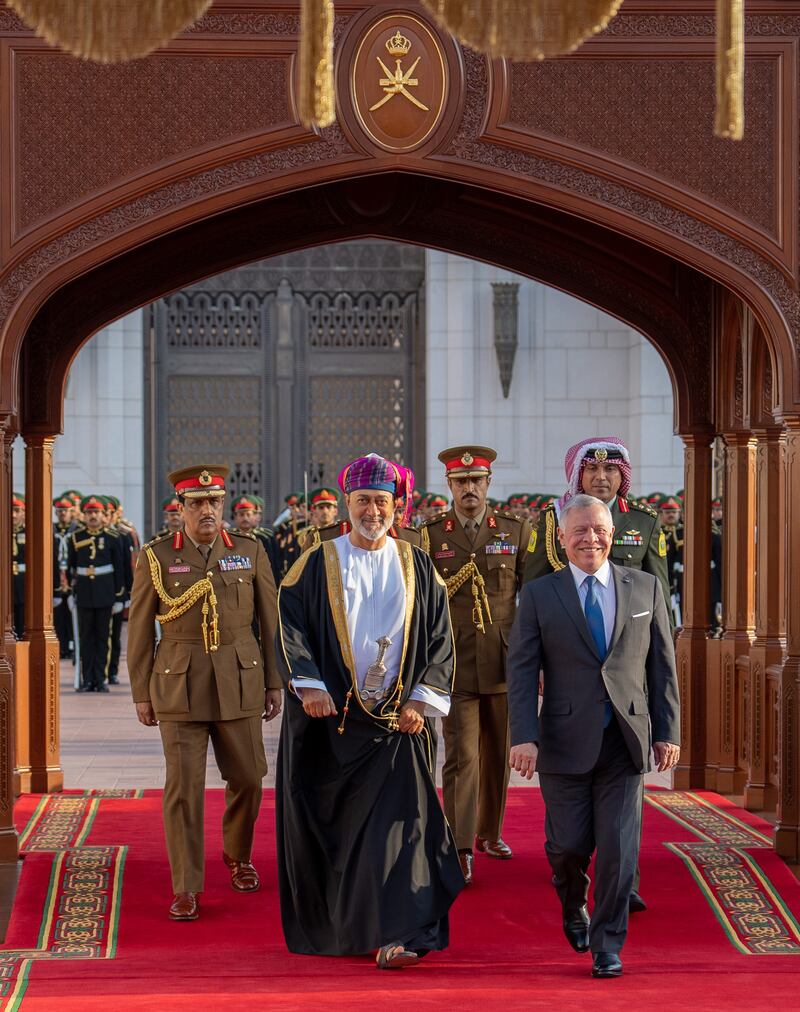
634,504
242,534
158,539
433,520
113,532
508,515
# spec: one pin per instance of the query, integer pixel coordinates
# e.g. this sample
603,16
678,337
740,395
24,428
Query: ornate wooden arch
597,174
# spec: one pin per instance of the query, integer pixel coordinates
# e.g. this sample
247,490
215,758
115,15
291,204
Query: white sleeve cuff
298,684
435,703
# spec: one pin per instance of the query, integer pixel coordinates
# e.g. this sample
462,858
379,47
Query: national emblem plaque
399,82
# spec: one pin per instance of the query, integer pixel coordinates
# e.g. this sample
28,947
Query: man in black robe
366,860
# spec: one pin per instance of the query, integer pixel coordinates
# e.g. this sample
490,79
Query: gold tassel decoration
109,31
730,69
316,98
523,29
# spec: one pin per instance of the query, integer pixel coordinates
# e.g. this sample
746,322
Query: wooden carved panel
617,107
78,131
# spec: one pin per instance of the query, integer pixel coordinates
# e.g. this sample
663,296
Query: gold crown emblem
398,44
467,459
204,478
601,454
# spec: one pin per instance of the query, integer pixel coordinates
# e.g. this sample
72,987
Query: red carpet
89,929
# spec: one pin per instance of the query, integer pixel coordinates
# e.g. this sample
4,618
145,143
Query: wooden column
46,773
692,639
8,835
787,829
766,651
738,601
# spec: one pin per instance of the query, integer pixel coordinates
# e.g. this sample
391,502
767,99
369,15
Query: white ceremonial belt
94,570
19,567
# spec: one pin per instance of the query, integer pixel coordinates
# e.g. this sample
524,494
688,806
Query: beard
374,532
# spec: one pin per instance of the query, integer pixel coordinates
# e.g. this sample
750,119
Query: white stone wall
102,447
577,373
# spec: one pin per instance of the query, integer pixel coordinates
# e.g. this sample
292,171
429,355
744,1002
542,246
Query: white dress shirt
375,604
606,594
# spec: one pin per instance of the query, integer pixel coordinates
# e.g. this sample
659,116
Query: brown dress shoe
494,848
244,877
465,859
185,907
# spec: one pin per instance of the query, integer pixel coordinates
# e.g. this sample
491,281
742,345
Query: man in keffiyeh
366,861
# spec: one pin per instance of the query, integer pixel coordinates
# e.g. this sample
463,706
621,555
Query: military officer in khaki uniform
208,678
480,553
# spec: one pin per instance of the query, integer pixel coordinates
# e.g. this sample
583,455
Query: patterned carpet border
63,821
80,919
749,908
705,820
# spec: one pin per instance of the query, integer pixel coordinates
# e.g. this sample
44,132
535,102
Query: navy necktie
594,619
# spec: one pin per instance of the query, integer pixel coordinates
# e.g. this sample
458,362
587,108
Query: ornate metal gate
289,367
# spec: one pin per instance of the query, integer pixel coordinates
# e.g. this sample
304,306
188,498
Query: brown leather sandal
394,957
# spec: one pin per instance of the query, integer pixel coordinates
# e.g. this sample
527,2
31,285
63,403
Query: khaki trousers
239,752
475,774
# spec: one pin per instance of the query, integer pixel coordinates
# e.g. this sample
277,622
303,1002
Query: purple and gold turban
382,475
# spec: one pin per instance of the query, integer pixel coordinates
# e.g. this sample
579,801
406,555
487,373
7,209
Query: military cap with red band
468,461
170,504
669,502
200,482
323,495
92,502
244,503
18,501
62,503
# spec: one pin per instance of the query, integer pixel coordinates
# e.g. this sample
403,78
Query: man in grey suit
601,636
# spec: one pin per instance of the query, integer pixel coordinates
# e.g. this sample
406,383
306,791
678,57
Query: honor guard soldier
480,554
716,566
129,546
172,516
286,542
63,605
244,514
208,678
324,507
669,516
601,467
95,558
247,510
18,562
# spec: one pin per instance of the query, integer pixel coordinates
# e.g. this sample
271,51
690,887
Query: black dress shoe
113,680
466,859
606,964
101,688
635,903
576,928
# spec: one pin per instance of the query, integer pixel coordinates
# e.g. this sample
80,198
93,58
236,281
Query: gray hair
582,502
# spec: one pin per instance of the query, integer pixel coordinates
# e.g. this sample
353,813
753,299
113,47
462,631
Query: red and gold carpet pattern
78,942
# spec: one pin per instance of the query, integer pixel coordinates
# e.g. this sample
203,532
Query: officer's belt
231,637
94,570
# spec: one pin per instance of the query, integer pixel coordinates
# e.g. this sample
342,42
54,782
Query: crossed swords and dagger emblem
398,82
